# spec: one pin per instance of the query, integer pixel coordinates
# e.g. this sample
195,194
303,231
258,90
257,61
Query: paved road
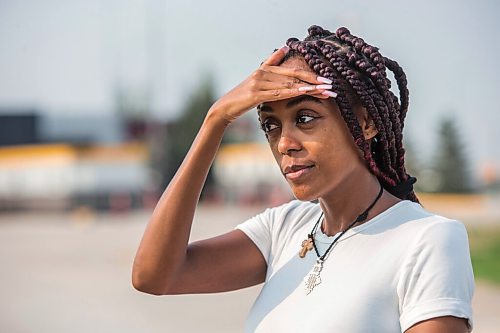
71,273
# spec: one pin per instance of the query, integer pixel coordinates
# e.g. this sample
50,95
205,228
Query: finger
322,94
329,93
270,80
279,94
319,95
285,84
274,77
277,55
302,74
302,88
280,82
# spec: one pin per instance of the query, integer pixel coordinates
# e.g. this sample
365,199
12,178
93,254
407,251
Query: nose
288,143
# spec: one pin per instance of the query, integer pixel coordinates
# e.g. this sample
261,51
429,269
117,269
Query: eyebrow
294,102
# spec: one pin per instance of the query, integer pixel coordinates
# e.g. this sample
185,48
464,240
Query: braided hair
358,72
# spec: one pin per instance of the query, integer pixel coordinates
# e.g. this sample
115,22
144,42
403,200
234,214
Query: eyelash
303,116
270,122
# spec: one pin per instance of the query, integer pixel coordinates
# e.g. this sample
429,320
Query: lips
296,171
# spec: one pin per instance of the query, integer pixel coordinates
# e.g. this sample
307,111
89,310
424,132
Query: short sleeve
258,229
436,278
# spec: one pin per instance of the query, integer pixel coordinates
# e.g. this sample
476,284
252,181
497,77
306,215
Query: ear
366,123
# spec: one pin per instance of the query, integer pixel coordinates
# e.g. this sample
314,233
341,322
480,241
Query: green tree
181,133
451,164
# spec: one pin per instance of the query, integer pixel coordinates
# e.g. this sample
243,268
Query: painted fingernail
324,86
285,49
307,88
329,93
324,80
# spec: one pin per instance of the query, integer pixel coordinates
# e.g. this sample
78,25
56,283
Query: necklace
313,278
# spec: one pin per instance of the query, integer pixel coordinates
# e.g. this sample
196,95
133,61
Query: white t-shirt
403,266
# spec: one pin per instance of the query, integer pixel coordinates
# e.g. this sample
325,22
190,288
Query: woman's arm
164,263
446,324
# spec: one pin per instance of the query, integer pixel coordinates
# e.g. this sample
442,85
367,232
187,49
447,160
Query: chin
304,193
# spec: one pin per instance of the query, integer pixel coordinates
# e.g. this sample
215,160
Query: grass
485,253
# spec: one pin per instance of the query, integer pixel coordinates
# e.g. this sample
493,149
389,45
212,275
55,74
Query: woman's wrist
215,117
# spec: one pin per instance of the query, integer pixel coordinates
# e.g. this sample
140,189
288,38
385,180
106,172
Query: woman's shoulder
416,220
289,214
293,209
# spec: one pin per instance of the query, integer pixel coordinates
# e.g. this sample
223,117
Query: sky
70,57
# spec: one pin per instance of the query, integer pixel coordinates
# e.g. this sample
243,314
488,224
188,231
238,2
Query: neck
352,198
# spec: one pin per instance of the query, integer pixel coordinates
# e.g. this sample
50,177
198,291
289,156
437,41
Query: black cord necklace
313,278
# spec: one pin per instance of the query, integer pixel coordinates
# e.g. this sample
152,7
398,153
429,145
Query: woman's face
311,142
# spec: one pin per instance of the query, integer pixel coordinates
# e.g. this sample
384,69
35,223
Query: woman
368,257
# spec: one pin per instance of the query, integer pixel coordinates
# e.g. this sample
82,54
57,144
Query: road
71,273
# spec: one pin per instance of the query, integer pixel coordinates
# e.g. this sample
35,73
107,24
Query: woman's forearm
162,251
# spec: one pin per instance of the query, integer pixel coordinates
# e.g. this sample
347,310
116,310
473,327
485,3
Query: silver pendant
313,279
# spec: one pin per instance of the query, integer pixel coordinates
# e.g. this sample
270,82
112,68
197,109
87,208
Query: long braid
400,77
377,73
402,83
358,72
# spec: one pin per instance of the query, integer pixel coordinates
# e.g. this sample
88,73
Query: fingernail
307,88
329,93
324,80
285,49
324,86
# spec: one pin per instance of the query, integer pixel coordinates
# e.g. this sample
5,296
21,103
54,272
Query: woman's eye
268,126
304,119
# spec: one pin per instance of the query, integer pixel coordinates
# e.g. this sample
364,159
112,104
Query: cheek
278,158
336,153
274,150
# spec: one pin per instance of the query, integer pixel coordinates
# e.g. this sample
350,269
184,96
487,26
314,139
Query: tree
181,133
451,163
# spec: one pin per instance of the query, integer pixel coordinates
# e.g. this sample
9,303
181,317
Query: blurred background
100,101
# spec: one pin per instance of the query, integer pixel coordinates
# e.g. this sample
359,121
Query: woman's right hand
269,82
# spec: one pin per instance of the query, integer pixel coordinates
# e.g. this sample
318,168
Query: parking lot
71,273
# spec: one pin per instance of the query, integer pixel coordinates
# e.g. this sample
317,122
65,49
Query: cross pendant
307,245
